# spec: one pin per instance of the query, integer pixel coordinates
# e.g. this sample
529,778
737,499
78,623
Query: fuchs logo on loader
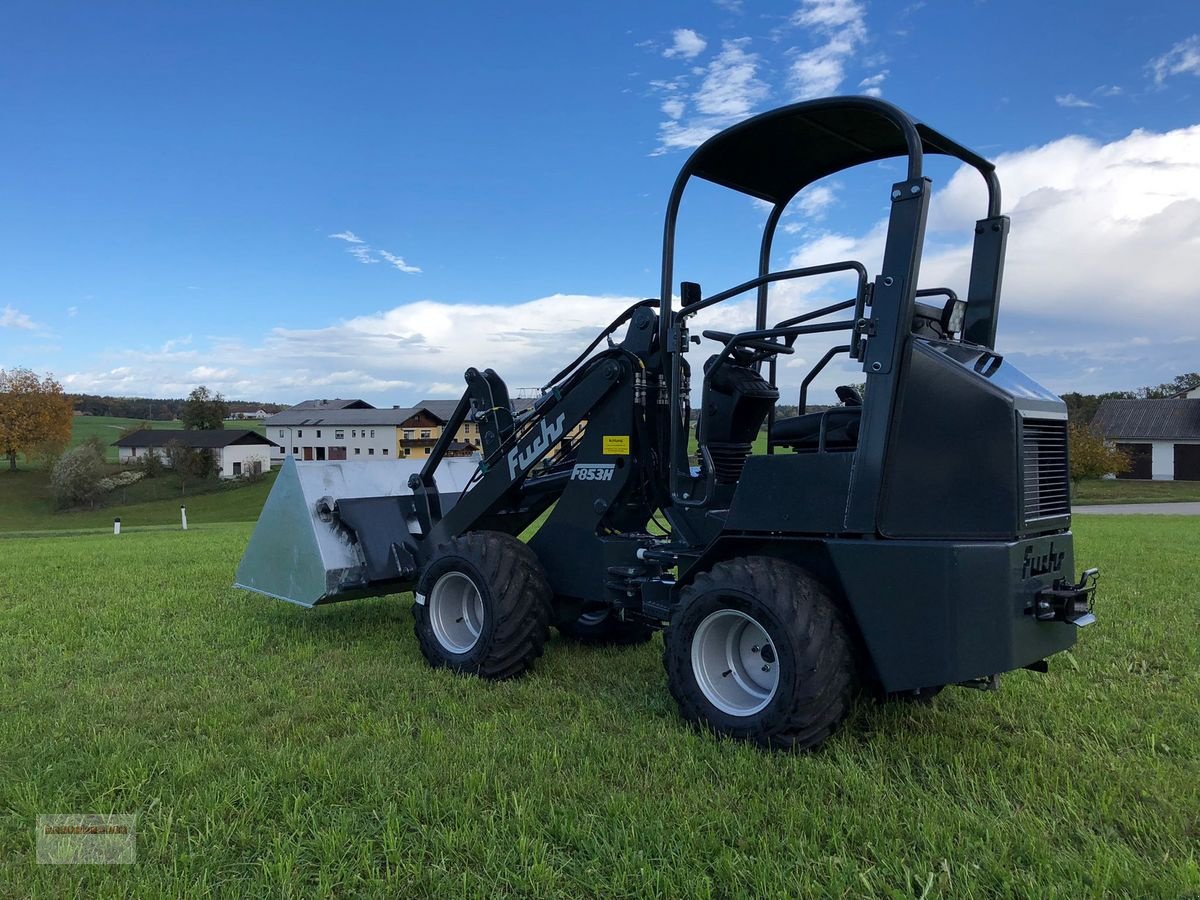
593,472
1043,564
521,459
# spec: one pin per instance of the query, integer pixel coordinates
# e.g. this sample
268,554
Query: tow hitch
1066,602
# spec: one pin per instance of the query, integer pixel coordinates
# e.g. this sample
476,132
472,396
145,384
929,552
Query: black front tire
802,634
503,625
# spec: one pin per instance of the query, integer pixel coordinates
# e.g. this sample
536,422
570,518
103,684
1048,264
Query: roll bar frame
906,233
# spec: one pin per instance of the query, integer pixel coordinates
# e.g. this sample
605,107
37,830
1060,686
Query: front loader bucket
299,552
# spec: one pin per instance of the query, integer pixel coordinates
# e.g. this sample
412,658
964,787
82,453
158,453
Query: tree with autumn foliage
1092,456
35,415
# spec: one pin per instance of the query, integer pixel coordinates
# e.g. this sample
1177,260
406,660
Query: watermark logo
86,839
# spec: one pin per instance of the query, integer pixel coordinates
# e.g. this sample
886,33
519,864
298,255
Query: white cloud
1184,57
1104,242
169,347
821,71
673,108
393,356
72,311
1072,102
368,255
208,373
687,44
872,85
814,201
730,87
829,14
728,93
11,317
398,262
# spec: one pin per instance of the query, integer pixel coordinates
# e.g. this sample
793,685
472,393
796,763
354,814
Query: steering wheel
766,348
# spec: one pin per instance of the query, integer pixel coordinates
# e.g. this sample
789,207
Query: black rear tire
603,629
788,623
503,596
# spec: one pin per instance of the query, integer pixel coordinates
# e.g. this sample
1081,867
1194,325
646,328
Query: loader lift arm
497,490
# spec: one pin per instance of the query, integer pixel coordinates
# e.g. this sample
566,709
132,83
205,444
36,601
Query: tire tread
827,674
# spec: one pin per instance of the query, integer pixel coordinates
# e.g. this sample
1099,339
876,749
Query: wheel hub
734,662
456,612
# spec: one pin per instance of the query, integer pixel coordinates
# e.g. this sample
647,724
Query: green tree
75,478
1176,385
204,410
1092,456
151,464
191,465
35,415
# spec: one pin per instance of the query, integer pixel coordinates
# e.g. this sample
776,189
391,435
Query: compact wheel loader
902,541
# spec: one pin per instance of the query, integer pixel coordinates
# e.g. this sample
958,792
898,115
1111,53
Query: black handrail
814,372
804,272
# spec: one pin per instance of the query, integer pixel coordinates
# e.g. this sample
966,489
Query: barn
237,451
1161,437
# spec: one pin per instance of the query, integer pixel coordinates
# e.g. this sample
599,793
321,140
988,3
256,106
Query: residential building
1161,437
442,410
418,433
320,430
237,451
319,433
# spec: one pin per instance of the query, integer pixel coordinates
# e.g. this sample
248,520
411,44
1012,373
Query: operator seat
841,425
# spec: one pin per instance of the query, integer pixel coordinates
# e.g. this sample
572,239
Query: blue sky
292,200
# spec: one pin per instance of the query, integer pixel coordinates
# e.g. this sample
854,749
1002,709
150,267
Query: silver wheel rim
592,618
456,612
735,664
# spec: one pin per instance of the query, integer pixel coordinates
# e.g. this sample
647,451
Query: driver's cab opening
740,385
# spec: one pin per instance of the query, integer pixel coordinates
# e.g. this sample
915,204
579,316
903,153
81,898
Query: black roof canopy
775,155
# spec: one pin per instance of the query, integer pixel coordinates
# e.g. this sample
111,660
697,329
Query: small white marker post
116,526
183,516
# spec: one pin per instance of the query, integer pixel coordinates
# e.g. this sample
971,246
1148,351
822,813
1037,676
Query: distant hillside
151,409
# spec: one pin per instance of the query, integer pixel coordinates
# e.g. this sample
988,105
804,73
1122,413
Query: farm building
319,430
237,451
1161,437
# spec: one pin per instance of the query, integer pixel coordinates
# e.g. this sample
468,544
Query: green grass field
273,751
1096,490
26,503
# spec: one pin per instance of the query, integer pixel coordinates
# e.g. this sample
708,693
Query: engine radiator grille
1046,480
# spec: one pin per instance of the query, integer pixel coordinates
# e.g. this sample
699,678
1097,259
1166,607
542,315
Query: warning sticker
616,445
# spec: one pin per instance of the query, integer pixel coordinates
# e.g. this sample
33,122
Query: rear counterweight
939,612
